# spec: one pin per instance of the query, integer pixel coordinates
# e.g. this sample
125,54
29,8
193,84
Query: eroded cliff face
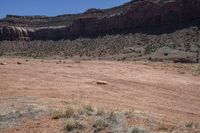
14,33
136,14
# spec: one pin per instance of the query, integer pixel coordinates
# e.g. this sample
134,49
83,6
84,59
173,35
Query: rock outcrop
128,17
14,33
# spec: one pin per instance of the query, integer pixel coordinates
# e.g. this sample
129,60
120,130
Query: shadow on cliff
153,30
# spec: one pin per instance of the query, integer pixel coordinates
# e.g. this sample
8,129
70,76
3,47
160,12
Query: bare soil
167,93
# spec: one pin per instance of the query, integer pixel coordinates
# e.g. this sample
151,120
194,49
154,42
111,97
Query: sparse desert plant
162,127
71,124
189,124
80,111
77,61
197,70
100,124
17,114
150,49
112,116
88,109
108,45
139,130
57,114
1,117
129,114
100,112
69,112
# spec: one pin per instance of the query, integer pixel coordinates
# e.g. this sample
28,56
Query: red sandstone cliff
136,14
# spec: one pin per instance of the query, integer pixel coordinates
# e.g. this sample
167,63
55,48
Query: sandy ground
158,90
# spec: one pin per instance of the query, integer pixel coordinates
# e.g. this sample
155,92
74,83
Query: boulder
3,63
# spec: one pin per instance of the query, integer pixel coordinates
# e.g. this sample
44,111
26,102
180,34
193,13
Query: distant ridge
130,17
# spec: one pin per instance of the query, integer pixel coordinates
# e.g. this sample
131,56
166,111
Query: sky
52,7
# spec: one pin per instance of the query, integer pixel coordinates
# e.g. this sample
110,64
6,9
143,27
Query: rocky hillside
180,46
156,30
132,17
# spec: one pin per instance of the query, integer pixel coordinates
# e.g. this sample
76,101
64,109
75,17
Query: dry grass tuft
112,116
57,114
100,112
69,112
88,109
100,124
71,124
197,70
191,125
139,130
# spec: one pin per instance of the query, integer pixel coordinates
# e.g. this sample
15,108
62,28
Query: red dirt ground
157,89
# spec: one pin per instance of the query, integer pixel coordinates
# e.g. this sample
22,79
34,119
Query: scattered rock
102,83
3,63
19,63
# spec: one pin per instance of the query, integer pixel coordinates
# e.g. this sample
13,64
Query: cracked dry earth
29,90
